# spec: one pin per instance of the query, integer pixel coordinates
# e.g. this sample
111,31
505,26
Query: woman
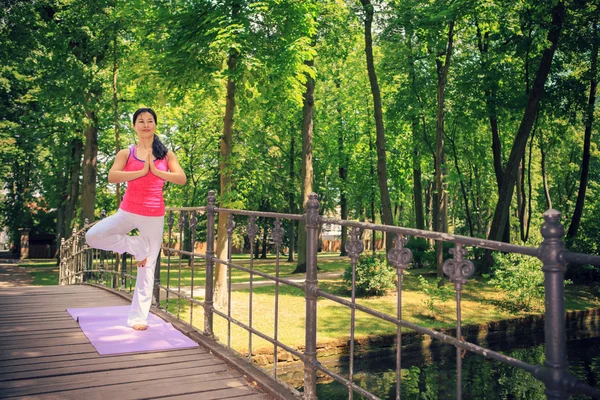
145,167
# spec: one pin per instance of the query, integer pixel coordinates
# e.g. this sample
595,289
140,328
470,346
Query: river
482,378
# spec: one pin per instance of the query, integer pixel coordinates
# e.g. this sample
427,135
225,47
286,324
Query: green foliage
374,276
434,294
419,248
521,277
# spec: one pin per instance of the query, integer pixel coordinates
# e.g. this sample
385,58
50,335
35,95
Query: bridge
84,270
44,354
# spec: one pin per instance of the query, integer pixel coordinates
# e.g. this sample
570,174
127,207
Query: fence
197,293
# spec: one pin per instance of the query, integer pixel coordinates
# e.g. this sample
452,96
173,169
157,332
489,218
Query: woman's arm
116,173
175,173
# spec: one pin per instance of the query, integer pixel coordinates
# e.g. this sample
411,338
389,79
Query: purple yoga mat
107,330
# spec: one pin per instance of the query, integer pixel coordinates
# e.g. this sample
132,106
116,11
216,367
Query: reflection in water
482,378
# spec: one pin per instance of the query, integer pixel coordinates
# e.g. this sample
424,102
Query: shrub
434,294
522,279
419,248
373,276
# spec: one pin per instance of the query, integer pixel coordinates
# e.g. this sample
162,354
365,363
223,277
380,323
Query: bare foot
140,327
141,264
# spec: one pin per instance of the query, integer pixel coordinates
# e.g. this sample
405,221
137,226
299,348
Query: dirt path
11,275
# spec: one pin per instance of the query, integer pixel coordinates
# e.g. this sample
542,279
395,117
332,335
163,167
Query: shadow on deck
44,354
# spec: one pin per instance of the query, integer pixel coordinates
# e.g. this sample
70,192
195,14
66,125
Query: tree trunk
307,165
220,283
384,194
73,191
490,99
545,175
518,148
343,174
520,184
90,159
417,184
463,189
585,160
116,105
291,202
441,201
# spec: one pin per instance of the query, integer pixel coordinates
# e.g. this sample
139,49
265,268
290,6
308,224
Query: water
482,378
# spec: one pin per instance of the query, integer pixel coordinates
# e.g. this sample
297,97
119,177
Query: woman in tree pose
145,167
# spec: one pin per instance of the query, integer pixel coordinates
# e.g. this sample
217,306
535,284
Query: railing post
310,290
157,279
210,264
73,263
550,252
123,271
156,290
85,254
63,264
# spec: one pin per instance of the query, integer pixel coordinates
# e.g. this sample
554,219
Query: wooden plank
49,371
94,357
45,351
65,338
206,387
44,354
93,382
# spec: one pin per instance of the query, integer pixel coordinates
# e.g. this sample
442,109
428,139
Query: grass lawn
479,304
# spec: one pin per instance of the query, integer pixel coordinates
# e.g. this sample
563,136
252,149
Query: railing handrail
559,382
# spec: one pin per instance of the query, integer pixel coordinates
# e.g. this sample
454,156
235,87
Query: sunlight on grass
334,319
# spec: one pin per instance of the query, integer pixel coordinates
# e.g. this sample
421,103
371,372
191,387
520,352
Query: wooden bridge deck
44,354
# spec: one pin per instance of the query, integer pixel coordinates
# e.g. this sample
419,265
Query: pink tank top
144,195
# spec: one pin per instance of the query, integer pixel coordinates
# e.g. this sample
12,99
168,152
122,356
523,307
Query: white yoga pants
111,234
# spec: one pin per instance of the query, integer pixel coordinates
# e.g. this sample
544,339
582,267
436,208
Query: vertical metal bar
131,274
554,276
252,231
170,222
63,256
458,271
210,255
352,328
230,227
73,260
193,223
458,349
157,279
123,270
400,258
181,225
277,234
312,220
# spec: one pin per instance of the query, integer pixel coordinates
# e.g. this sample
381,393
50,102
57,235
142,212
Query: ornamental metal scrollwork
312,211
354,246
458,269
278,232
230,225
171,219
182,219
252,229
193,221
399,256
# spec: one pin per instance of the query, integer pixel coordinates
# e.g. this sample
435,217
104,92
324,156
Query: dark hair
159,150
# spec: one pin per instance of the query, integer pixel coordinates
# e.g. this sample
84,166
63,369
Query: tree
510,172
382,177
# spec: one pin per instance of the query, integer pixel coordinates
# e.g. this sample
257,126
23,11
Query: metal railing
81,264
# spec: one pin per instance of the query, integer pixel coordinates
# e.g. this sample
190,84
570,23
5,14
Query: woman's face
145,126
